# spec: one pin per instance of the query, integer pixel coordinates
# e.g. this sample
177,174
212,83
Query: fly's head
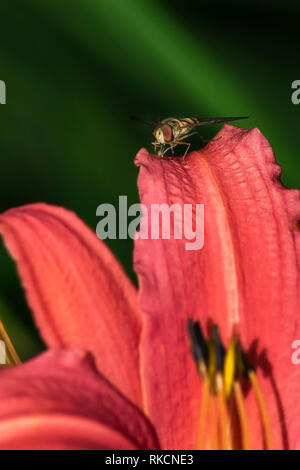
163,134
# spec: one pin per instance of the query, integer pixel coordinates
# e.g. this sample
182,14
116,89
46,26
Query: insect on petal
246,276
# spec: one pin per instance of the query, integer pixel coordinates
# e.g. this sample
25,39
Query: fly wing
208,121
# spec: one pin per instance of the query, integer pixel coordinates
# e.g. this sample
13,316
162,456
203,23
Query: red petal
78,292
246,274
60,401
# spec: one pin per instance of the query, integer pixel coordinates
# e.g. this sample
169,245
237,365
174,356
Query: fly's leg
155,145
186,151
171,147
159,153
188,144
178,142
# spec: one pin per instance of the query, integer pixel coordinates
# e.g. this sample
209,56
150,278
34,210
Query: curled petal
246,276
78,292
60,401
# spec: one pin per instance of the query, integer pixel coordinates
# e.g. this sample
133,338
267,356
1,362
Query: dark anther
199,345
247,366
219,348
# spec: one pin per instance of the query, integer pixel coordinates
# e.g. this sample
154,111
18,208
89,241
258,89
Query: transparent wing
217,120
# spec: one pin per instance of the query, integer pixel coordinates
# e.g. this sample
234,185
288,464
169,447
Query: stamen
242,415
11,356
215,357
199,346
222,395
219,348
203,414
230,367
213,424
268,436
226,443
212,367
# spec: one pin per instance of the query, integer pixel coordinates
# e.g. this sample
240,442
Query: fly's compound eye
167,133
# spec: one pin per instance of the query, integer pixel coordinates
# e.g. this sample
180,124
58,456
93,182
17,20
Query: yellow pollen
229,367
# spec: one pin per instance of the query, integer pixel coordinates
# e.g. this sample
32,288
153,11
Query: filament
263,411
242,415
203,414
213,428
223,415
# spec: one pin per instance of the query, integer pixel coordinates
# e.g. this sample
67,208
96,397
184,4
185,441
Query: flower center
223,419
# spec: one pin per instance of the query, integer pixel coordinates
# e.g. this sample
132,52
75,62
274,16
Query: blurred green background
75,71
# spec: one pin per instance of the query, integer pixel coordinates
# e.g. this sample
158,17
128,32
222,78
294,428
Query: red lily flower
245,280
60,401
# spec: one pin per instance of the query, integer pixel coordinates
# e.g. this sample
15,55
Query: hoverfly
171,132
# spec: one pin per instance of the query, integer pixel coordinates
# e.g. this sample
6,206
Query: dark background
75,71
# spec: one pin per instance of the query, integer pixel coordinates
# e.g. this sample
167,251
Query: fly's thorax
183,126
